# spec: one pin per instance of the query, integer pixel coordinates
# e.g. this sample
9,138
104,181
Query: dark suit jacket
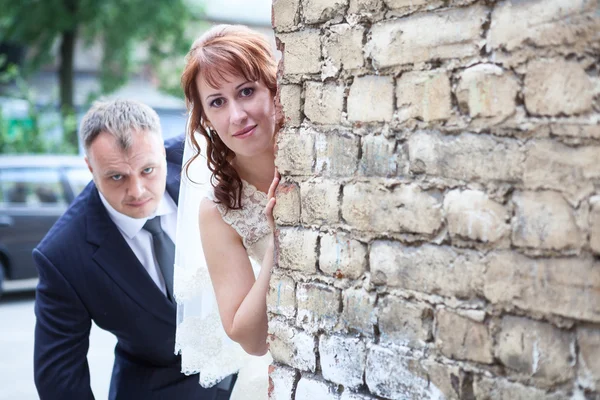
88,272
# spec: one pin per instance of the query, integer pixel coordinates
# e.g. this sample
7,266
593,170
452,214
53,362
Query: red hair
224,50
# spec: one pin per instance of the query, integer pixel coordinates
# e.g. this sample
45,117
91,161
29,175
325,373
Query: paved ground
16,351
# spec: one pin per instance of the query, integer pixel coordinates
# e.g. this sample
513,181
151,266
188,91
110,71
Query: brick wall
439,218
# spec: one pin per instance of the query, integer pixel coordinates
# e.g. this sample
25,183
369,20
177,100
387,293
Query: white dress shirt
140,240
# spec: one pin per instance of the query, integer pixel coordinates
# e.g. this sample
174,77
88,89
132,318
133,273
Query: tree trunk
67,108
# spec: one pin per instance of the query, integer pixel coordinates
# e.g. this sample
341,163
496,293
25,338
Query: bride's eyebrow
219,94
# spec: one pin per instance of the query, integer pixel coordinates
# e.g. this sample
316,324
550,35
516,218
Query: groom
109,259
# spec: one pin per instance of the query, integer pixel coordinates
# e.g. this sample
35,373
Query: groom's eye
148,170
116,177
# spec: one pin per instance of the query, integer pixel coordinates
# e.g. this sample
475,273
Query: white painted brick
358,312
588,340
291,346
344,46
460,338
404,323
281,381
595,224
343,360
502,389
313,389
322,10
285,14
379,156
290,97
287,208
405,380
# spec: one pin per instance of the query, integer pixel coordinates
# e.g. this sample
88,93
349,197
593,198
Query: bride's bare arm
241,298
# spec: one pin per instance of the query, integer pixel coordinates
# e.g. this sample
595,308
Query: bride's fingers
274,184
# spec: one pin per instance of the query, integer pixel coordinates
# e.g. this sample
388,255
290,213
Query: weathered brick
472,215
379,156
556,86
337,153
302,52
393,374
425,95
285,14
428,268
325,102
486,90
311,389
281,298
595,224
551,165
348,395
578,131
403,323
322,10
318,307
320,202
343,360
291,346
364,6
568,287
541,23
342,256
295,152
290,97
545,220
460,338
287,208
417,39
588,340
281,382
501,389
298,249
367,91
537,349
344,46
405,208
448,379
358,312
465,157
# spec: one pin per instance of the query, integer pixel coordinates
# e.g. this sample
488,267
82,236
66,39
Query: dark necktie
164,250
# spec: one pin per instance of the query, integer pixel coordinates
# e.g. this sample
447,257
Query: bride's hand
271,201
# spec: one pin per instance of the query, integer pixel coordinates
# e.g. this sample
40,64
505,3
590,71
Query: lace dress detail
250,220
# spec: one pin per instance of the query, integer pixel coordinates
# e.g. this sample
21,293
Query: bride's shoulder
209,211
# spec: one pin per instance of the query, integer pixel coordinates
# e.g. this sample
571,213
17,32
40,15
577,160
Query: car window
31,186
78,178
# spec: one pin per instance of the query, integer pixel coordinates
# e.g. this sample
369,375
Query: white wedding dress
200,339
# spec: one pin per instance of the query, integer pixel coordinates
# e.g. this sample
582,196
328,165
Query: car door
31,200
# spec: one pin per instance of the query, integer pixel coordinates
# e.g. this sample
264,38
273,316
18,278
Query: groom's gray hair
120,118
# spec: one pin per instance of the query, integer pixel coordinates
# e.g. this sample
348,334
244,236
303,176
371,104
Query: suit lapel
117,259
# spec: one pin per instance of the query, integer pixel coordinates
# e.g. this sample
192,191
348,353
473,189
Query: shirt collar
129,226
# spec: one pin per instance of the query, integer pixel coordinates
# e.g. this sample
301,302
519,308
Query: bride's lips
244,133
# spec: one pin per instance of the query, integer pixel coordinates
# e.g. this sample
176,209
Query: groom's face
133,180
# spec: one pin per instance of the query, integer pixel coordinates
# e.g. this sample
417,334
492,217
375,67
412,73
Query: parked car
34,192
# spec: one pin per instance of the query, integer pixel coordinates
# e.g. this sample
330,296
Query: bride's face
242,113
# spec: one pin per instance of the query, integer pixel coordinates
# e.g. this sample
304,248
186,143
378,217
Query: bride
228,190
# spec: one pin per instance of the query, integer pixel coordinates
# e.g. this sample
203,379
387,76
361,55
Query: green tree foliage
120,25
